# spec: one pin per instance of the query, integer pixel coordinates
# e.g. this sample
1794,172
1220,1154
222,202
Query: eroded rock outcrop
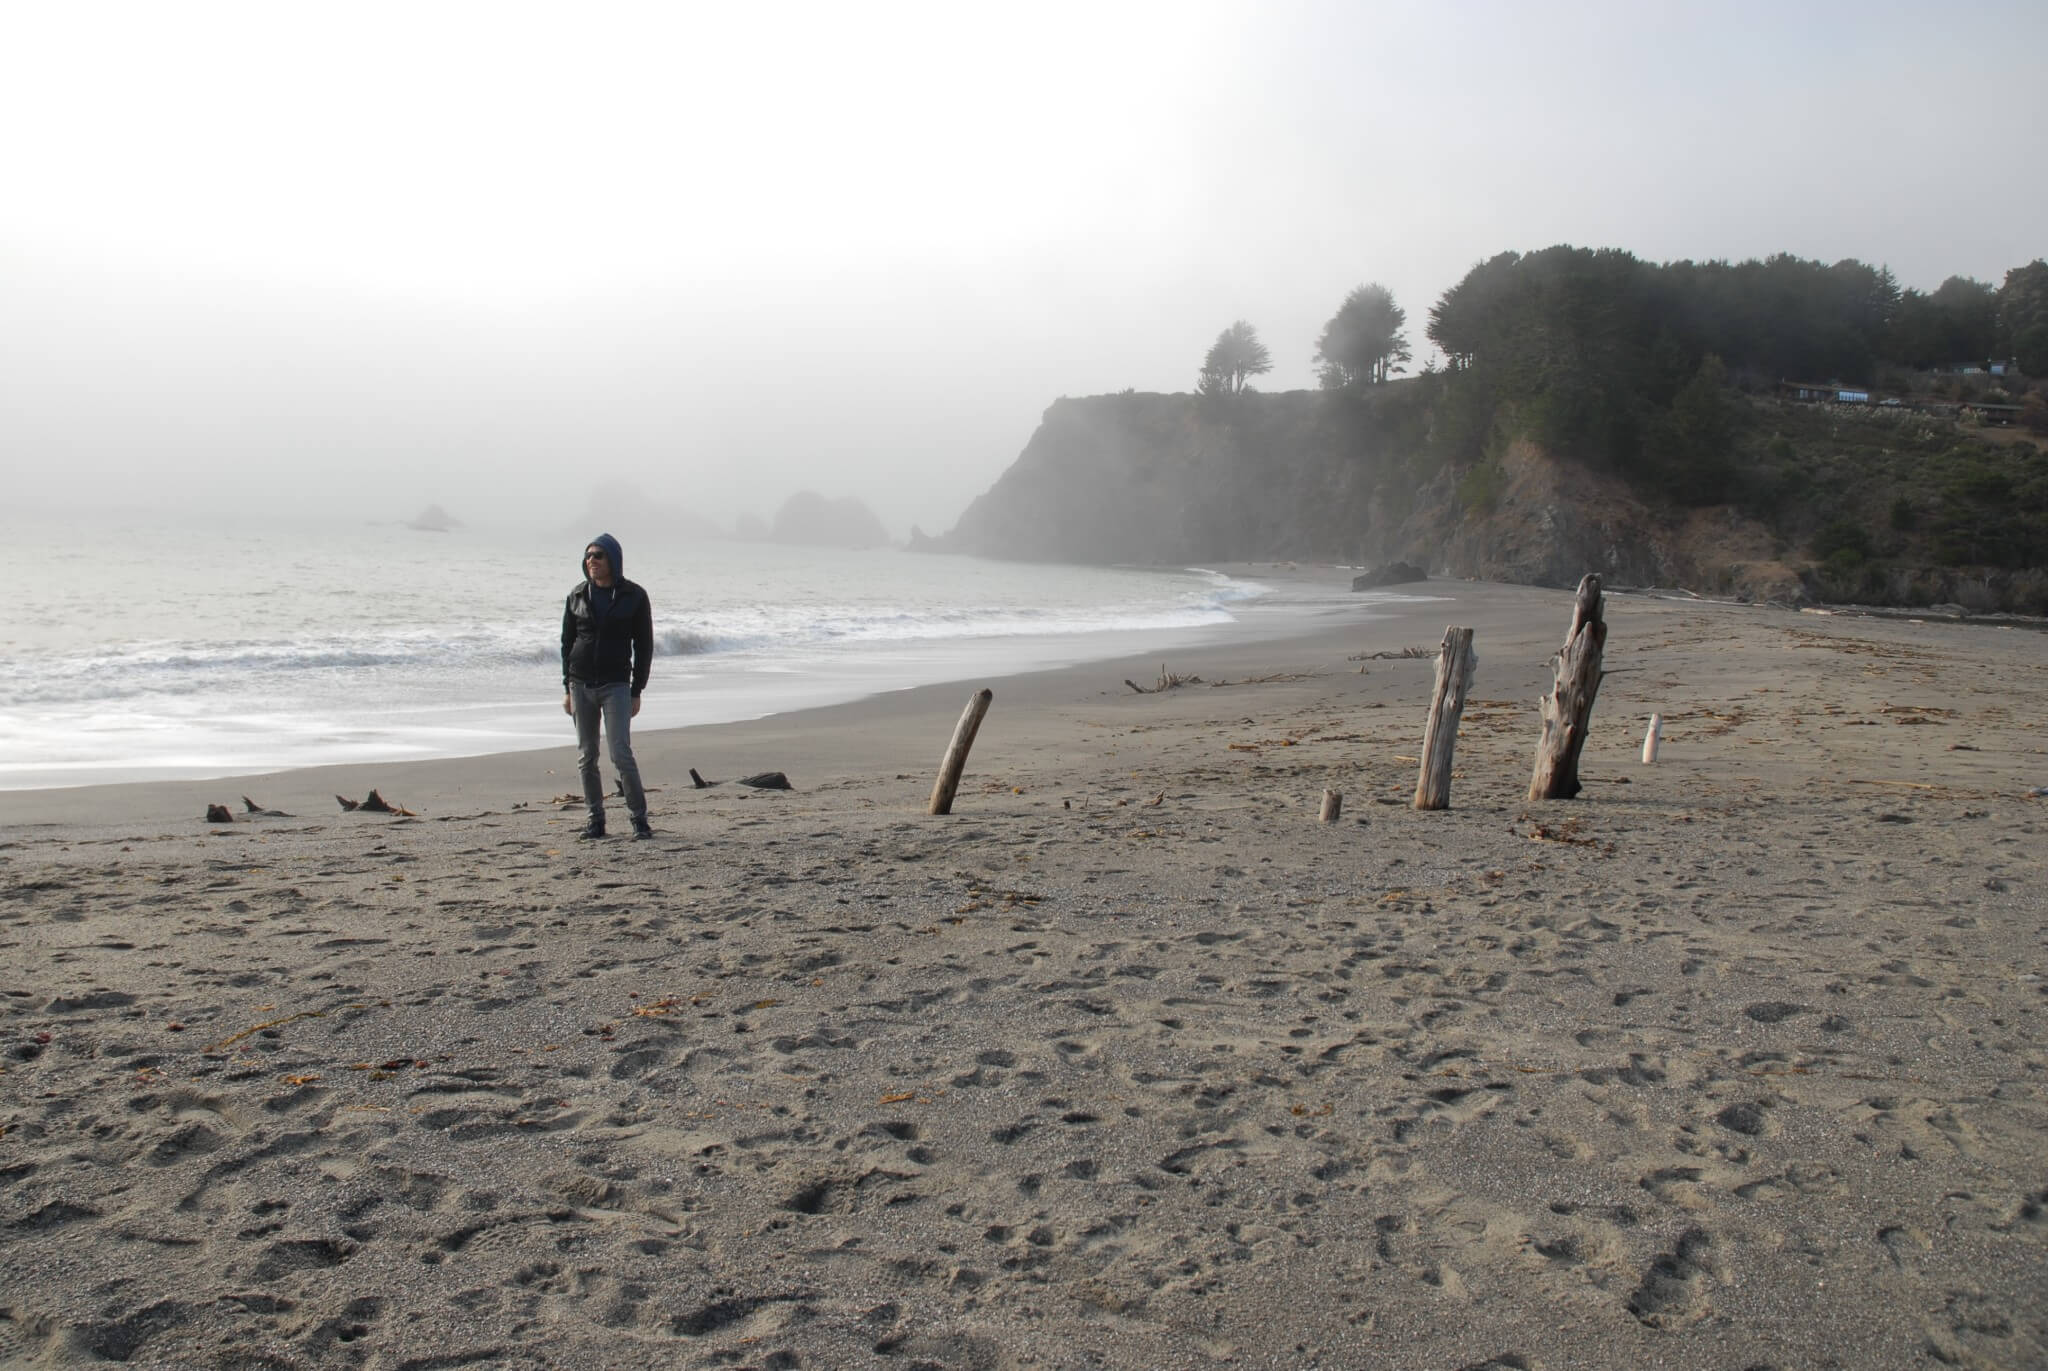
810,519
1166,479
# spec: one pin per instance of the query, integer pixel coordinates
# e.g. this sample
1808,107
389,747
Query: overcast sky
359,257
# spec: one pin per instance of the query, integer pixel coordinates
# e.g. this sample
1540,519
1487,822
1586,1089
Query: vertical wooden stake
1333,805
956,753
1575,675
1454,663
1650,737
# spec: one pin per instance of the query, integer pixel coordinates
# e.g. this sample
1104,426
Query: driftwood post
1333,806
1569,705
956,753
1650,737
1454,663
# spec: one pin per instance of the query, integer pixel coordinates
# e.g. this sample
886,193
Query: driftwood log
955,761
1455,661
375,804
1569,705
760,780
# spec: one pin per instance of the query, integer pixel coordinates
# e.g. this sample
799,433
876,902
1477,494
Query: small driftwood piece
1333,806
374,804
219,814
1455,661
1651,735
760,780
955,761
249,806
1168,680
1569,705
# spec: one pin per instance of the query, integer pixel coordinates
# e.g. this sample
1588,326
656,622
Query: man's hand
636,706
568,708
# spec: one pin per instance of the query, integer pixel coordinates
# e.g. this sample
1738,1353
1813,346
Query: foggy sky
359,258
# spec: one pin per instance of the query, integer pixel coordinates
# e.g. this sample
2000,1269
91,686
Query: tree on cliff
1233,360
1958,323
1470,314
1363,343
2023,315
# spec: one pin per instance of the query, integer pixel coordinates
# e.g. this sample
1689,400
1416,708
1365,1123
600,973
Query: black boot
641,828
593,829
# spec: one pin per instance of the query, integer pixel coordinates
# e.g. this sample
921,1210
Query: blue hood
612,550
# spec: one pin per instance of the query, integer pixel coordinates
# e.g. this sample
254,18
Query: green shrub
1843,561
2034,413
1480,488
1980,483
1840,537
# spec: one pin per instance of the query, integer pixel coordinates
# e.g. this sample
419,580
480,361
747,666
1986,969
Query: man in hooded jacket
607,652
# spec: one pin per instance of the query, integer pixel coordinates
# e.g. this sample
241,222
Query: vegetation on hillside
1668,376
1898,508
1593,410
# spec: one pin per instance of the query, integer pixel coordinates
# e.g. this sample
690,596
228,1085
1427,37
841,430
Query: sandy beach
1739,1060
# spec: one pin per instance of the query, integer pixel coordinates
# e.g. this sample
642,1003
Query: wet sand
1736,1061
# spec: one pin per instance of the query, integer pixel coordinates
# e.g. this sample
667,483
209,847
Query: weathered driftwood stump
1569,705
1333,806
956,753
1455,661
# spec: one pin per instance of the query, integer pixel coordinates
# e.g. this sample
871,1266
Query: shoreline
493,774
688,693
1739,1059
356,682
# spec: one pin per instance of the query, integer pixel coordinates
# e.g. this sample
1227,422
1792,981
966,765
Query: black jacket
619,646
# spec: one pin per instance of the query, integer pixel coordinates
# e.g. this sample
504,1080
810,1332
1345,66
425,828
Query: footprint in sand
1673,1293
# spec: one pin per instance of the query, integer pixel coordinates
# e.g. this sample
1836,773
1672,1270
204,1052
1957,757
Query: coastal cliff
1152,478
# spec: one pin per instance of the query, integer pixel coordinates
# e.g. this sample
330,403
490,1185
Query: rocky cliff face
1552,521
1123,478
1181,479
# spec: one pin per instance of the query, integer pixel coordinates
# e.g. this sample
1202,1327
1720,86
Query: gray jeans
614,705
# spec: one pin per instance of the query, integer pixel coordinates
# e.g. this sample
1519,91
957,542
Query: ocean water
137,650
